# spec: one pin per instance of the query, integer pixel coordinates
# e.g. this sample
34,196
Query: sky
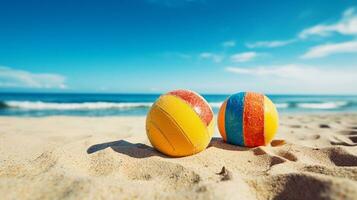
153,46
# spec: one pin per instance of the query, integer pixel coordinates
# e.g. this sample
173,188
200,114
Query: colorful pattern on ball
200,105
248,119
180,123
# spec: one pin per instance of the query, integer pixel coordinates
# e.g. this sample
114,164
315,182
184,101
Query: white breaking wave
324,105
216,104
39,105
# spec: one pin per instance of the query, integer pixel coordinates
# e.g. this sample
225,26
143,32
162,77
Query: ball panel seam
185,102
206,107
174,121
160,131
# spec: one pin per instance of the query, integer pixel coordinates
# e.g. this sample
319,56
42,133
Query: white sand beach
312,157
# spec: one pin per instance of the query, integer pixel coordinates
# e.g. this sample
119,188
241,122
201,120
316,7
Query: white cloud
230,43
347,25
19,78
244,57
329,49
300,78
286,71
270,44
212,56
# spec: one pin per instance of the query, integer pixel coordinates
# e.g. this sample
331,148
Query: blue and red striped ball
248,119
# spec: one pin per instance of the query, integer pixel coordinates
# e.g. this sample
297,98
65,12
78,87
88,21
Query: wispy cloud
329,49
212,56
10,77
347,25
244,57
302,77
270,44
229,43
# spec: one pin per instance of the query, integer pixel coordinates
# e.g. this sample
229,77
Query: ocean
47,104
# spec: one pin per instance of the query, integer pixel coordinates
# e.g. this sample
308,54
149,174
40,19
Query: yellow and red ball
180,123
248,119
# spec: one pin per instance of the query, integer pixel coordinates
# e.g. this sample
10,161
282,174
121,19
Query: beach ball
248,119
180,123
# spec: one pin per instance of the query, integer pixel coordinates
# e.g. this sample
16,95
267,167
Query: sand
313,157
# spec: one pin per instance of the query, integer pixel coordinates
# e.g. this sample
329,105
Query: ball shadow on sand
140,150
135,150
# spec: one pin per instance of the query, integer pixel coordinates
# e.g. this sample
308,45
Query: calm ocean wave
15,104
40,105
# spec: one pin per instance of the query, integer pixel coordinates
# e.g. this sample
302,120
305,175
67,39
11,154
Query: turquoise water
41,104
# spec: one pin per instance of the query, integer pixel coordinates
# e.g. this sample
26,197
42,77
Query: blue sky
152,46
